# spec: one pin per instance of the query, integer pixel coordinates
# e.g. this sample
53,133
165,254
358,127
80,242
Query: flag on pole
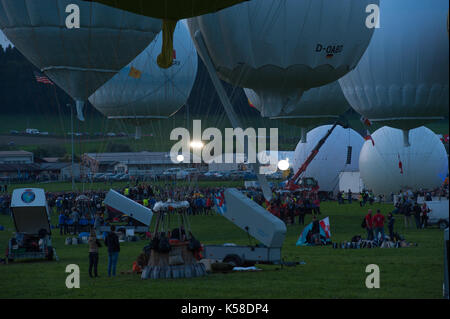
400,164
135,73
41,78
219,201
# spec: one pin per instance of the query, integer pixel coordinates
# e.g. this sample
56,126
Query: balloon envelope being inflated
424,164
317,105
402,79
151,92
334,157
77,60
281,48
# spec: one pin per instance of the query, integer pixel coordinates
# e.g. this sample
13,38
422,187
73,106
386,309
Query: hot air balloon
142,91
339,154
402,79
389,166
170,11
282,48
79,60
317,105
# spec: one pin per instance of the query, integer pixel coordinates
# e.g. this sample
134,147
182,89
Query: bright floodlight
196,144
180,158
283,165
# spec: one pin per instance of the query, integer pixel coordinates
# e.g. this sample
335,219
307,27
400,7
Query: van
438,214
31,217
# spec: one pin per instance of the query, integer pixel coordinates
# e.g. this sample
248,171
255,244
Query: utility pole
71,125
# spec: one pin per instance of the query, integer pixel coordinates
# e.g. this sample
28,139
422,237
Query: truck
438,214
140,215
258,223
30,213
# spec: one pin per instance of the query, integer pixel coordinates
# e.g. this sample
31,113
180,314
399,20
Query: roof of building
19,167
131,158
15,153
54,166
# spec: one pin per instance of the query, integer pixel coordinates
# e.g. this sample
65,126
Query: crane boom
291,185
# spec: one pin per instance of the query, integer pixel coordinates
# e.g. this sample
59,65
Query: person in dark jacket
417,210
112,242
391,221
93,253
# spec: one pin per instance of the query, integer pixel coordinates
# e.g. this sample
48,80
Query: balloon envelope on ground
339,154
77,60
402,79
389,166
281,48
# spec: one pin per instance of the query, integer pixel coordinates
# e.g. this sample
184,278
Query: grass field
415,272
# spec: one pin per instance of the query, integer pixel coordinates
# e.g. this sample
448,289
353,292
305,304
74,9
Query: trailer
30,213
258,223
141,215
351,181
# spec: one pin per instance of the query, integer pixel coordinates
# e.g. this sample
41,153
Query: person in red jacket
378,225
369,225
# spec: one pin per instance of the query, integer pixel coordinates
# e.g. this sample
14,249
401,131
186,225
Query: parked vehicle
439,213
30,213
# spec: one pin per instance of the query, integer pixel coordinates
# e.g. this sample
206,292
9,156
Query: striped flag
251,104
400,164
41,78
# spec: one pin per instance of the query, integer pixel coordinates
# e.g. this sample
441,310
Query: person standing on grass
417,212
112,242
369,225
425,211
61,222
75,218
378,224
94,244
407,210
349,196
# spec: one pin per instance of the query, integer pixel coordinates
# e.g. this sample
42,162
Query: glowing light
283,165
196,144
180,158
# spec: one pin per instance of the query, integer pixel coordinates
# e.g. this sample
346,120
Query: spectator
407,210
425,211
349,196
378,224
94,244
417,211
61,222
391,221
369,225
112,242
75,218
